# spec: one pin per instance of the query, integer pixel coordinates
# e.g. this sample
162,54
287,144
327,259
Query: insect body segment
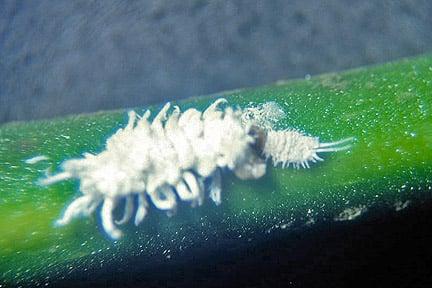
168,159
292,147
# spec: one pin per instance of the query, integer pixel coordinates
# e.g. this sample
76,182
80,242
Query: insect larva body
292,147
169,159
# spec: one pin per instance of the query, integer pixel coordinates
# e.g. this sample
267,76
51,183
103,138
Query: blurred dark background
62,57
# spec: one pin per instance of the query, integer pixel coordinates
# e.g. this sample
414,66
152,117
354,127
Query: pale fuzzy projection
169,158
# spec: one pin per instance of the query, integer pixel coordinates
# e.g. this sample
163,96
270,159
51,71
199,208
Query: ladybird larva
169,159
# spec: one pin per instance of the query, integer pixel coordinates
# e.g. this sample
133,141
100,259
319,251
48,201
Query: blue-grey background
62,57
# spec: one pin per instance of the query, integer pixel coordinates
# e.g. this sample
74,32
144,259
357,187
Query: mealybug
170,157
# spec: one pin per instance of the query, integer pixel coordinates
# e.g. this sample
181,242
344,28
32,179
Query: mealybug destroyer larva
171,156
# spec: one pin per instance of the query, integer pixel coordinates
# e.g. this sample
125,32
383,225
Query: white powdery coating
160,161
264,115
169,159
291,147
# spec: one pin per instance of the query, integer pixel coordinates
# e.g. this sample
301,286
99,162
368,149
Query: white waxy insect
169,159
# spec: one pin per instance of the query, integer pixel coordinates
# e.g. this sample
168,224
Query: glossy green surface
387,108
